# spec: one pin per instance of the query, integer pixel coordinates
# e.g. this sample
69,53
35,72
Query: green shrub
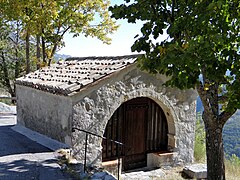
6,101
235,160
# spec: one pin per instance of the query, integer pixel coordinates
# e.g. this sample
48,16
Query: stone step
198,171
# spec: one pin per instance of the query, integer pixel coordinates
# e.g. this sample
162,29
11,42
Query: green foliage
204,40
52,19
235,160
199,145
44,23
6,101
11,55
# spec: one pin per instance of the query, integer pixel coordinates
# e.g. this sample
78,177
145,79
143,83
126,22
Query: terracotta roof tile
66,77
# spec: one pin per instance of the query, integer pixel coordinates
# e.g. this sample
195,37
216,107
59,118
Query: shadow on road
23,169
22,158
13,142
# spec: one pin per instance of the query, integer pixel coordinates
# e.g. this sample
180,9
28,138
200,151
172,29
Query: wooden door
141,125
135,134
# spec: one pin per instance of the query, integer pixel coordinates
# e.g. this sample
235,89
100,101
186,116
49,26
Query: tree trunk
52,54
17,70
27,53
56,43
43,48
17,63
7,82
214,148
38,52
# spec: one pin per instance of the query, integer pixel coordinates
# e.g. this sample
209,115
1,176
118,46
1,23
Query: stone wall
94,106
91,108
45,113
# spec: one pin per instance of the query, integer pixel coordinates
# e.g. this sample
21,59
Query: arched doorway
141,125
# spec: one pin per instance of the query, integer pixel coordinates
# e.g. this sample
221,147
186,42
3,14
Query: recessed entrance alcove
141,125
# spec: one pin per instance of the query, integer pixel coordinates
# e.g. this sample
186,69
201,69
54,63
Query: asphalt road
15,143
23,159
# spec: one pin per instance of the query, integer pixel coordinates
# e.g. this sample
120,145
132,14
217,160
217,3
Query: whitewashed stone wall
45,113
93,107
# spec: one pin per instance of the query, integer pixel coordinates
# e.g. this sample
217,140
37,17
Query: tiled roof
71,75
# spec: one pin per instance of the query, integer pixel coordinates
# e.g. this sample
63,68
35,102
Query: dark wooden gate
141,125
135,134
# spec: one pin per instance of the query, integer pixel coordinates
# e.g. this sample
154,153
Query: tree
203,41
11,55
44,23
51,20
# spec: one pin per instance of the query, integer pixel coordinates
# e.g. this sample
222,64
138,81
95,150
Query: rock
4,108
198,171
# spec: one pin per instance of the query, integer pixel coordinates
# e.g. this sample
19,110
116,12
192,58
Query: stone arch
141,125
163,103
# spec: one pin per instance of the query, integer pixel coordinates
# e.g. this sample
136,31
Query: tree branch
204,99
222,99
56,44
225,115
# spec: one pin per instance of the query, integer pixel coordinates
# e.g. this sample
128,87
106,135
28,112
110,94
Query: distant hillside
231,135
231,132
58,57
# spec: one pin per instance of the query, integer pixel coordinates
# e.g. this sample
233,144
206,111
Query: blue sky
122,41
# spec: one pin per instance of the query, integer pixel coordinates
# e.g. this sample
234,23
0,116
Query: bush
6,101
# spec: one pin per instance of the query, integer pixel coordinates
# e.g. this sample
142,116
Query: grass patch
232,163
7,101
232,167
200,146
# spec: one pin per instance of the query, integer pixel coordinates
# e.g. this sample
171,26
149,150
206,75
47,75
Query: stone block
112,166
160,159
198,171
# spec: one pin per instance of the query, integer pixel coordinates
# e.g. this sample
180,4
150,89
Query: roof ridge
103,57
